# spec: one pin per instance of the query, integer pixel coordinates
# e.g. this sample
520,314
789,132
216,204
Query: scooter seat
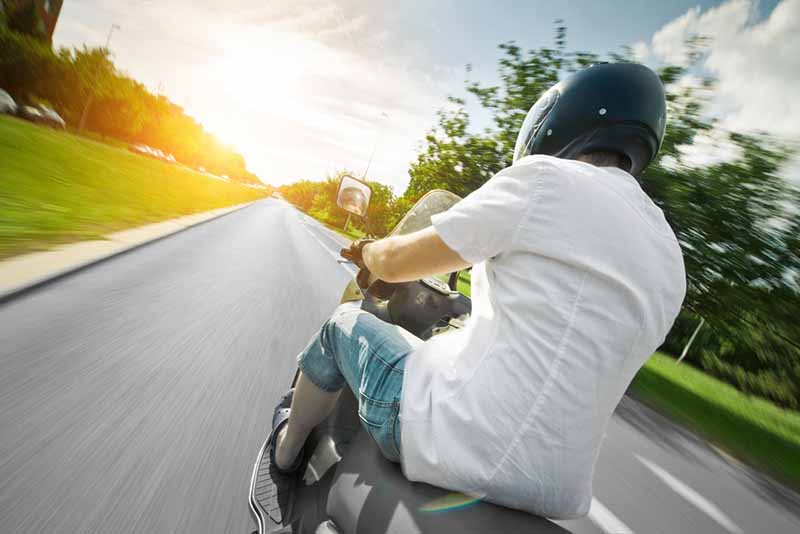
370,495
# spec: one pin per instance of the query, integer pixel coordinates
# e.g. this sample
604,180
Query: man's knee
346,309
338,326
343,317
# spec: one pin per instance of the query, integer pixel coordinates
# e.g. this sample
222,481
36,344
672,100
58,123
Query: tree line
118,107
318,199
736,220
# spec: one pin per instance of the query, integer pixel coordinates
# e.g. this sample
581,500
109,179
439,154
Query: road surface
135,394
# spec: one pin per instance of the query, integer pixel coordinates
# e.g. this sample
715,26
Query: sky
305,88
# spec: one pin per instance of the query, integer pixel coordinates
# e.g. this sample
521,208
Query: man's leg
310,406
356,348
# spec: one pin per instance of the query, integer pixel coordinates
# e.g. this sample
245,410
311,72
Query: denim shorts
368,354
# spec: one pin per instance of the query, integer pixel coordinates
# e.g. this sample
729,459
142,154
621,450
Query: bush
318,199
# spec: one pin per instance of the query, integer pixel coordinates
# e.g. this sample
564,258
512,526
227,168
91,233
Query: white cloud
709,148
722,23
755,62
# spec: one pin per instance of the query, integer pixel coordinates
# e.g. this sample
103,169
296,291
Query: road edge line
32,285
605,520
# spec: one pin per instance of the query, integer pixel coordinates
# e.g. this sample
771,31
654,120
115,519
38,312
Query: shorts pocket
379,390
379,401
373,412
380,422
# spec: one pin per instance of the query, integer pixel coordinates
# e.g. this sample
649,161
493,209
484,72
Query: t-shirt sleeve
486,222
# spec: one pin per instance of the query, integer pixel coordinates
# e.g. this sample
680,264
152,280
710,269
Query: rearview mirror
353,195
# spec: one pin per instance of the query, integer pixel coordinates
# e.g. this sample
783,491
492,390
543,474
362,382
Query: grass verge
60,188
749,428
351,233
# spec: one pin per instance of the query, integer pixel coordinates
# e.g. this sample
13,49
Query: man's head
606,159
607,114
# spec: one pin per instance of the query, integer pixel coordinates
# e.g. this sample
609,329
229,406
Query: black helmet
608,107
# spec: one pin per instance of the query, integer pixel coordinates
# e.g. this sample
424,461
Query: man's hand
382,290
404,258
378,288
355,252
362,278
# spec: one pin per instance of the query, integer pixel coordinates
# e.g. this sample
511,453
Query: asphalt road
134,395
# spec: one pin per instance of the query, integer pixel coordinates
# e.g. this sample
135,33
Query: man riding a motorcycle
576,280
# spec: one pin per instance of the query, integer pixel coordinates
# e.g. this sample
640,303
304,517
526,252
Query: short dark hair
606,159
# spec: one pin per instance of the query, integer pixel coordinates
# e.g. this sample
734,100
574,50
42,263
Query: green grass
749,428
351,233
56,187
463,284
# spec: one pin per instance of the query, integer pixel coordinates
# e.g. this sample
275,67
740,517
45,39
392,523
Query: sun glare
270,68
265,75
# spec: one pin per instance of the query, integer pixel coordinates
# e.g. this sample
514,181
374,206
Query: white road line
606,520
697,500
335,255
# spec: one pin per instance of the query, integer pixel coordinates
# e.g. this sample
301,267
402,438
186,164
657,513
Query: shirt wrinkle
554,371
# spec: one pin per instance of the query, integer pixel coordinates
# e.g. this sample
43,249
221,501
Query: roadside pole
691,340
374,147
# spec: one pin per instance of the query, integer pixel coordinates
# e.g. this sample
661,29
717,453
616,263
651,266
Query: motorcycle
348,486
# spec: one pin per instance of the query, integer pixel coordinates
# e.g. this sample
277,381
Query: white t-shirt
577,279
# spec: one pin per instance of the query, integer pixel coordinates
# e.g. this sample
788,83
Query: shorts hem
321,384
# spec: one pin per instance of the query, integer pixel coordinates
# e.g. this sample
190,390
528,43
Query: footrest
270,502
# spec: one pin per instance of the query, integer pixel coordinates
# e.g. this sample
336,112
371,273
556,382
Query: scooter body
348,486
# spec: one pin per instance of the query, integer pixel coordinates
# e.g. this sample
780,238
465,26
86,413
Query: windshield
419,216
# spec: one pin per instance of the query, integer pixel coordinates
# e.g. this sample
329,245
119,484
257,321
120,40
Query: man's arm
410,257
484,224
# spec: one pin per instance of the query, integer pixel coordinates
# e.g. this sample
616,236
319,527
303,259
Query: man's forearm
377,257
410,257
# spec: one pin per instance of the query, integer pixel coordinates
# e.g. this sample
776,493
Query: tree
318,199
453,159
300,193
524,78
21,17
381,212
323,206
120,108
737,225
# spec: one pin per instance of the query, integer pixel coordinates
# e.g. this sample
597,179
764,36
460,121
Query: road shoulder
23,273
